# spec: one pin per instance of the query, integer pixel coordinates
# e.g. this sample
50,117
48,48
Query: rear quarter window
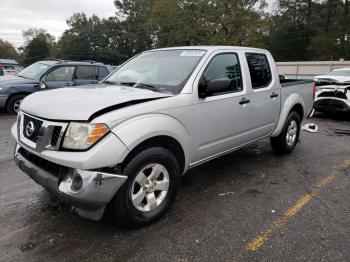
259,68
102,72
86,73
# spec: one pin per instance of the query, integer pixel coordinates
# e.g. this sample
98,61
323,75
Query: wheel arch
293,103
16,94
155,130
13,95
163,141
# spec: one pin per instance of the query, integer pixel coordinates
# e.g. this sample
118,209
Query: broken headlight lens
81,136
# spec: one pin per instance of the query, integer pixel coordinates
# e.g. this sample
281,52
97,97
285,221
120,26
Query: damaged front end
88,191
332,96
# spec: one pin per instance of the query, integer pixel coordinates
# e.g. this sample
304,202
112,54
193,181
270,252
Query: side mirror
42,85
219,85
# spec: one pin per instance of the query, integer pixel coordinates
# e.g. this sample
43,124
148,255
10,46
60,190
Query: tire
287,140
126,203
12,104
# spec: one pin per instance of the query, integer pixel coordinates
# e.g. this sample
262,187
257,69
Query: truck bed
291,82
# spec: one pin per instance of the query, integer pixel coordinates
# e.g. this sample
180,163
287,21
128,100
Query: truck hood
84,103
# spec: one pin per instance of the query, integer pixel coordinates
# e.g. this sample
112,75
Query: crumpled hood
337,79
9,81
80,103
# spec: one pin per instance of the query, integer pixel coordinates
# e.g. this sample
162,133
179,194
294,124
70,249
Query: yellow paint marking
302,201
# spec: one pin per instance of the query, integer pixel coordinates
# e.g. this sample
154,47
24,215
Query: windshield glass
33,71
339,73
164,70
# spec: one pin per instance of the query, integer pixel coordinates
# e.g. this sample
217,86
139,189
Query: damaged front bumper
89,191
334,105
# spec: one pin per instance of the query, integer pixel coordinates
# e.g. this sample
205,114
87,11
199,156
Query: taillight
314,90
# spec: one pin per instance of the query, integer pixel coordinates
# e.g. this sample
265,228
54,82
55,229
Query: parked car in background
125,142
47,75
10,67
1,70
332,91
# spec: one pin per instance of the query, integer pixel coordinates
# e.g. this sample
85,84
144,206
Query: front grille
37,125
55,135
53,168
333,94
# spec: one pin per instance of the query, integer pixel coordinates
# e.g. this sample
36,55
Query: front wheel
287,140
14,103
153,181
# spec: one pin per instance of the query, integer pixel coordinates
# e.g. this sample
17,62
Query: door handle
273,95
67,84
244,101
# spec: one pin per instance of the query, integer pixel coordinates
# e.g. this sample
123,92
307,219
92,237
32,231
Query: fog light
77,182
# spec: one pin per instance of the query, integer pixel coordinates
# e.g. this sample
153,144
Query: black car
46,75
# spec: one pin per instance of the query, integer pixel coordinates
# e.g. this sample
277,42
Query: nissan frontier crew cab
125,142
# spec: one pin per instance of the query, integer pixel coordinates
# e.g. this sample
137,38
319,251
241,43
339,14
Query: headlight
0,89
82,136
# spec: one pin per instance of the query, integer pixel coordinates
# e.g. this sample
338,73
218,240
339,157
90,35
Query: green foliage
310,30
39,45
7,50
296,30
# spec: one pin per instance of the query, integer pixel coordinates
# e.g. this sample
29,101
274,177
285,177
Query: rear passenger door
265,96
85,75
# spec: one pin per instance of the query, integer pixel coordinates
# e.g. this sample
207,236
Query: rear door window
259,68
86,73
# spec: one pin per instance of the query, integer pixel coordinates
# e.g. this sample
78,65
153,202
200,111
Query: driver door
220,119
60,77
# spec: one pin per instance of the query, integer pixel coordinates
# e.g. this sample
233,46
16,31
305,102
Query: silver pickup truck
125,142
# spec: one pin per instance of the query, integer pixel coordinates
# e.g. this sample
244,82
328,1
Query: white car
332,91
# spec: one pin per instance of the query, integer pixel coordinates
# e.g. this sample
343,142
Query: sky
19,15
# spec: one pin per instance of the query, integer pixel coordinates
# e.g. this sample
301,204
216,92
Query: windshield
164,70
33,71
339,73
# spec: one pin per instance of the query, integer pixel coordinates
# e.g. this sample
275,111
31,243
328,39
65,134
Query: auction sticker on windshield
192,53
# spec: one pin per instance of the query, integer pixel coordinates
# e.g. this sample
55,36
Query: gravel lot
221,208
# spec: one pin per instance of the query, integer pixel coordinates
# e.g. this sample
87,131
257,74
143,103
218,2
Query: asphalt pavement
250,205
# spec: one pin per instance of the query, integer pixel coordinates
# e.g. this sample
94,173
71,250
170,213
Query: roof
341,69
8,61
69,62
209,48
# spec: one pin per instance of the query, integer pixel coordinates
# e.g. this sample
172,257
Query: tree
39,45
7,50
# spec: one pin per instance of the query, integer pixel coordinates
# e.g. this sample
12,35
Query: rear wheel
14,103
153,181
287,140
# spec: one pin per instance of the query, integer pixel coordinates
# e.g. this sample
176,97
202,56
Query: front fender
291,101
23,89
134,131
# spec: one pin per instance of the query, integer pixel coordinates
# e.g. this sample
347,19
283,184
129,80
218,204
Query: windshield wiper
141,85
110,82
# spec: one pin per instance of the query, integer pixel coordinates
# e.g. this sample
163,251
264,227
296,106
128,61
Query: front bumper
332,105
96,190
